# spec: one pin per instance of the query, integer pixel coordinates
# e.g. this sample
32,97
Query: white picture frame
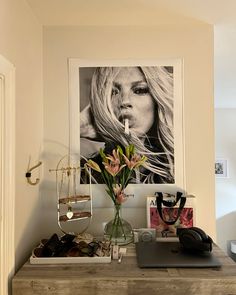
75,65
221,168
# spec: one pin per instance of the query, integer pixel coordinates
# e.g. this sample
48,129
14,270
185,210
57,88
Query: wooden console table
125,279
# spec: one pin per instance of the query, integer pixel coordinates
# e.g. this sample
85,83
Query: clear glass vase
118,230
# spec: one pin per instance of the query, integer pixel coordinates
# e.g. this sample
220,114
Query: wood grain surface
126,278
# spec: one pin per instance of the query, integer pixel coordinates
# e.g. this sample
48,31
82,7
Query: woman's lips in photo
125,115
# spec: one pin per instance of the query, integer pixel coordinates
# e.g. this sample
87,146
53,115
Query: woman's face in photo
131,100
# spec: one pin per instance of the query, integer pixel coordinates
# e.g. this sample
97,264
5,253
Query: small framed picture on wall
221,168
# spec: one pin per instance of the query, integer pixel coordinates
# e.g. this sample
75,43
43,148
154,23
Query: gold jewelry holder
72,206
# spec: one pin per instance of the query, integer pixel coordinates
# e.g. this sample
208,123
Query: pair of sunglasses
84,249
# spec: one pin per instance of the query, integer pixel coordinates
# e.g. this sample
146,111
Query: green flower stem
126,177
109,185
116,223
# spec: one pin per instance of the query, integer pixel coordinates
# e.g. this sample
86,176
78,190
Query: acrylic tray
69,260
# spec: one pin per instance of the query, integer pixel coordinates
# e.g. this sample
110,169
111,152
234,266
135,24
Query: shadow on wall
226,231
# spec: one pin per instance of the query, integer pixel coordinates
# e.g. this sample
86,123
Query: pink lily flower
117,189
115,159
112,168
120,195
135,161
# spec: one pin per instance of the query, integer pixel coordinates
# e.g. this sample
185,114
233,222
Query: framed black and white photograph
221,168
129,102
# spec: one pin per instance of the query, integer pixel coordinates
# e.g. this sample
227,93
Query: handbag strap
160,201
169,203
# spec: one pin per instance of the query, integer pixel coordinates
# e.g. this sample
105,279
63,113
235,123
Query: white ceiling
220,13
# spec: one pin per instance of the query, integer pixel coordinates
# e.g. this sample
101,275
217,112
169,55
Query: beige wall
194,44
225,145
21,44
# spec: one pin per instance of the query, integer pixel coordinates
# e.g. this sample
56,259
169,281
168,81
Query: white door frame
7,174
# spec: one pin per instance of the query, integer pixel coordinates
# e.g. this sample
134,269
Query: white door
7,173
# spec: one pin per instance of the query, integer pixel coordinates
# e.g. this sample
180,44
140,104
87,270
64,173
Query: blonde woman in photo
133,105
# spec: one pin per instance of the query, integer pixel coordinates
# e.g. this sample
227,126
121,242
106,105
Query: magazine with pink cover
185,220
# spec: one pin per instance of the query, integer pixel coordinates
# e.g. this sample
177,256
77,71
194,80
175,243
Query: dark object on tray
55,247
83,249
67,247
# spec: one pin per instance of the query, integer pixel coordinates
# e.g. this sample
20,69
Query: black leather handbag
170,201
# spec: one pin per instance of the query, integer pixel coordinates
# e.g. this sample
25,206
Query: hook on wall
28,174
